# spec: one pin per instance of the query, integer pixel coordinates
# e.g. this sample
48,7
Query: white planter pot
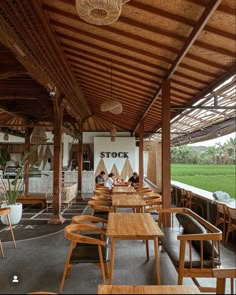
15,215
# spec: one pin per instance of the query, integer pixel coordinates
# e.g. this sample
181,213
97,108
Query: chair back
72,233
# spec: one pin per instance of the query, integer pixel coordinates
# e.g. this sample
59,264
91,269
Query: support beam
166,186
141,127
28,133
80,164
57,218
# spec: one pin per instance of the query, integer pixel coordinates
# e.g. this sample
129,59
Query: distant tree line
218,154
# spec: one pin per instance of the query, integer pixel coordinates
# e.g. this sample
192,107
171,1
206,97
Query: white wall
88,137
122,144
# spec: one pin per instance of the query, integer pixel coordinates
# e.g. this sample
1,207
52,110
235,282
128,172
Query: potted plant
13,188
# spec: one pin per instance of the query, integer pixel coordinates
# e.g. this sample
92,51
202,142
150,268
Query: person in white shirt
110,180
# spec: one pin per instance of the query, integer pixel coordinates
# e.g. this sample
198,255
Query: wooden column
56,217
28,133
166,186
80,164
141,126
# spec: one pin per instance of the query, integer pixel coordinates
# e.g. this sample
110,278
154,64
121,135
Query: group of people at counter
110,180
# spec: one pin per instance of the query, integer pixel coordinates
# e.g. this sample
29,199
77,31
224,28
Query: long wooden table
127,190
147,289
133,226
128,201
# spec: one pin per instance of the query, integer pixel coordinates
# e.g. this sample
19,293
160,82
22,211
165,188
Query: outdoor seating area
146,268
117,147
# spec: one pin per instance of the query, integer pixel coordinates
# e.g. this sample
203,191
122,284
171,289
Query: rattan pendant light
112,105
99,12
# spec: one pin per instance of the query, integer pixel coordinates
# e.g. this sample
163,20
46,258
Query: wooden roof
46,47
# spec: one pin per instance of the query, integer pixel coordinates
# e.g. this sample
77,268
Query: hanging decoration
113,133
99,12
112,105
38,135
6,137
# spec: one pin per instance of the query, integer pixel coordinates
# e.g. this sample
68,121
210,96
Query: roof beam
190,40
10,74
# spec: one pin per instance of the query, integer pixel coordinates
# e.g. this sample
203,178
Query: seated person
110,180
99,179
134,179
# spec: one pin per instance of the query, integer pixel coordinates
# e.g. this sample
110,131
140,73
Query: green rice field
208,177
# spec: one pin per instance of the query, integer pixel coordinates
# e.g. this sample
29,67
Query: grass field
208,177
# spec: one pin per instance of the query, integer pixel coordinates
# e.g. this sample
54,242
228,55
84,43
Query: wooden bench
32,199
193,245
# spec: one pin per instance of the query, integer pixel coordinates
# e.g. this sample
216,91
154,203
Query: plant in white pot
11,189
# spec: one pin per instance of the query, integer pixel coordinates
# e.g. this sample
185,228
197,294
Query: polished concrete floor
39,263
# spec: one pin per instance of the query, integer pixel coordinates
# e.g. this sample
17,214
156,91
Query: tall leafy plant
15,187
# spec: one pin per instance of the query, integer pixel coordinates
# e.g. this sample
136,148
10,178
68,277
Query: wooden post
28,133
80,164
166,186
57,218
141,126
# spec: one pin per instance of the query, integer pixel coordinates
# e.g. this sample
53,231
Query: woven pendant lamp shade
113,106
38,135
99,12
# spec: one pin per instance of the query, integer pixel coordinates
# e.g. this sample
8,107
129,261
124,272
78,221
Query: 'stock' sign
114,155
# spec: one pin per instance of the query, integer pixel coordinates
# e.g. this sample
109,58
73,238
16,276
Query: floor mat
34,222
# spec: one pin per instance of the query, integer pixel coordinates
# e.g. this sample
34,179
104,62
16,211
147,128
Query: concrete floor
39,264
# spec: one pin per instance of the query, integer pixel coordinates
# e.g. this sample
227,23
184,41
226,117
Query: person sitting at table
100,179
134,179
110,180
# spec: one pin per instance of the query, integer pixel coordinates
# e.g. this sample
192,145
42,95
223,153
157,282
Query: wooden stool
7,211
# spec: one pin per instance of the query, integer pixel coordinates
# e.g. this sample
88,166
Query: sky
212,142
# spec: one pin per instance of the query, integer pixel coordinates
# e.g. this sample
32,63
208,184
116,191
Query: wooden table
127,190
128,201
133,226
147,289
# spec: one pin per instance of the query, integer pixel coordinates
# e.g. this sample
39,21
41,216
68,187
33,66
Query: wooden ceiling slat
72,52
124,94
191,78
90,75
105,40
107,71
122,98
198,70
222,7
80,58
113,54
113,30
178,18
102,97
186,85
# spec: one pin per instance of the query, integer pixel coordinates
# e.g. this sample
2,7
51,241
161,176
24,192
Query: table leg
112,259
156,249
147,250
